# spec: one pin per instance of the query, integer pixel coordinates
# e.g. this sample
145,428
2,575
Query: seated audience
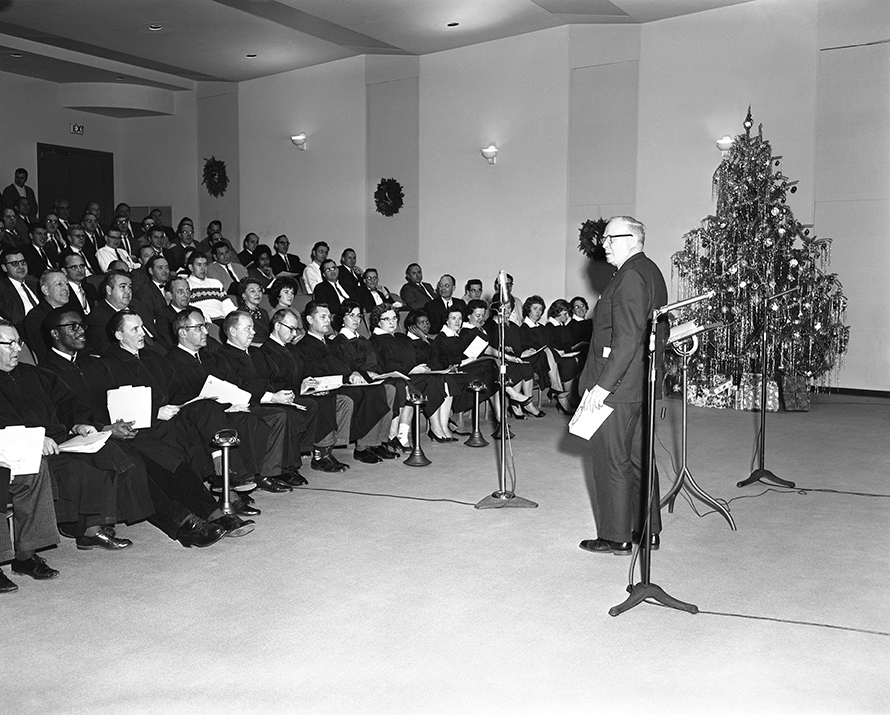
261,270
207,293
439,307
415,293
312,273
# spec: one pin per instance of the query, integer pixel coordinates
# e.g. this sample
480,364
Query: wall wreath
215,176
389,197
590,237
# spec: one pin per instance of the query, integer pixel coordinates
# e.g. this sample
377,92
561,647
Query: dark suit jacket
414,297
437,312
33,325
92,295
326,293
11,306
352,284
11,195
36,264
289,263
246,258
616,360
98,339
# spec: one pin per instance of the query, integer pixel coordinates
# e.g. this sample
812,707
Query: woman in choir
358,353
282,293
534,338
260,270
396,352
561,342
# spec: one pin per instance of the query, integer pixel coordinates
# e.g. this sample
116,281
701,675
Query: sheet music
130,404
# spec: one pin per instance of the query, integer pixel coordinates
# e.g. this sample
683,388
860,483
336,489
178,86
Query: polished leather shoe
35,567
273,485
293,478
102,539
654,541
199,533
366,456
242,508
399,447
328,464
441,440
234,526
602,546
7,586
384,453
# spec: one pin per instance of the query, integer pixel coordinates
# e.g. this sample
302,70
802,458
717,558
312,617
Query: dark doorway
79,175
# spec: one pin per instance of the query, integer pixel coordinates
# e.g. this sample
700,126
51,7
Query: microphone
502,282
683,303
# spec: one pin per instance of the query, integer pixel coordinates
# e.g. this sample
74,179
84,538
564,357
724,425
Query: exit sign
77,128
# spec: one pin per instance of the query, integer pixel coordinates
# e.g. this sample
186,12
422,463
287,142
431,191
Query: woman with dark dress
358,353
559,339
260,269
250,294
535,337
396,352
282,293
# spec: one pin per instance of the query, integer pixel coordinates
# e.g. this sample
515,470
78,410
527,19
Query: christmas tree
749,253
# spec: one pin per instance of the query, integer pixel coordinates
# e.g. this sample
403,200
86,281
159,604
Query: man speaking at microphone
615,374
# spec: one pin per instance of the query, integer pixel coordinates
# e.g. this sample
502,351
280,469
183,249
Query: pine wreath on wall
389,197
215,177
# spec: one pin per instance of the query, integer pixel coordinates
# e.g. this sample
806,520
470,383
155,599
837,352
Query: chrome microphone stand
684,477
503,497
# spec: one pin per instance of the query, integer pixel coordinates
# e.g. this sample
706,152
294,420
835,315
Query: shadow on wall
599,272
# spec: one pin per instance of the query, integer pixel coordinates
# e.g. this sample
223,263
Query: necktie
45,259
30,295
198,358
232,273
117,252
426,290
82,298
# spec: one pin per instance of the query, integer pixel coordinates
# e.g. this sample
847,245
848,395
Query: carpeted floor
384,591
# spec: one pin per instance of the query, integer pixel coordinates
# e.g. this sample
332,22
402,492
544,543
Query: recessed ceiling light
120,79
155,27
452,24
16,55
250,57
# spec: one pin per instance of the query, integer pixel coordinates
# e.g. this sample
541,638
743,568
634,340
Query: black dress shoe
199,533
328,464
242,508
384,453
35,567
234,526
293,478
366,456
602,546
238,484
273,485
399,447
102,539
246,498
7,586
654,540
441,440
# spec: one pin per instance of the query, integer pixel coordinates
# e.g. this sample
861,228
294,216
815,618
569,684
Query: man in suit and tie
83,295
9,237
19,189
128,240
438,308
62,209
184,245
251,241
18,291
55,241
117,292
351,275
77,244
55,293
375,294
330,291
93,240
94,209
22,220
224,269
35,252
284,262
113,251
415,293
615,374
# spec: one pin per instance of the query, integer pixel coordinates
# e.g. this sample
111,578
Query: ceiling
173,43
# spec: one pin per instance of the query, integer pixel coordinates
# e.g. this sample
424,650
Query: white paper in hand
21,448
130,404
587,420
222,391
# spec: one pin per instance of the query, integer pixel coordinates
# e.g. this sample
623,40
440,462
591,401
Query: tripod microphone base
759,475
498,500
641,591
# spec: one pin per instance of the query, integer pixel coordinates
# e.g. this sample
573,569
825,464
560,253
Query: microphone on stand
502,282
683,303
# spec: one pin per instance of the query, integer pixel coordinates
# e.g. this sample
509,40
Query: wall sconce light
724,144
491,153
300,140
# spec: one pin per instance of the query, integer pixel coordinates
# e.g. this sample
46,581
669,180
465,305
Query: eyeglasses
200,326
392,319
17,263
608,238
283,243
75,266
292,328
74,326
18,342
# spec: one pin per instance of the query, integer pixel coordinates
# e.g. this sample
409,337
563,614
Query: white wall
698,74
312,195
157,162
31,114
474,218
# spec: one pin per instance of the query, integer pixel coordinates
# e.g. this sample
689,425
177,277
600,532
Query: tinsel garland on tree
751,250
